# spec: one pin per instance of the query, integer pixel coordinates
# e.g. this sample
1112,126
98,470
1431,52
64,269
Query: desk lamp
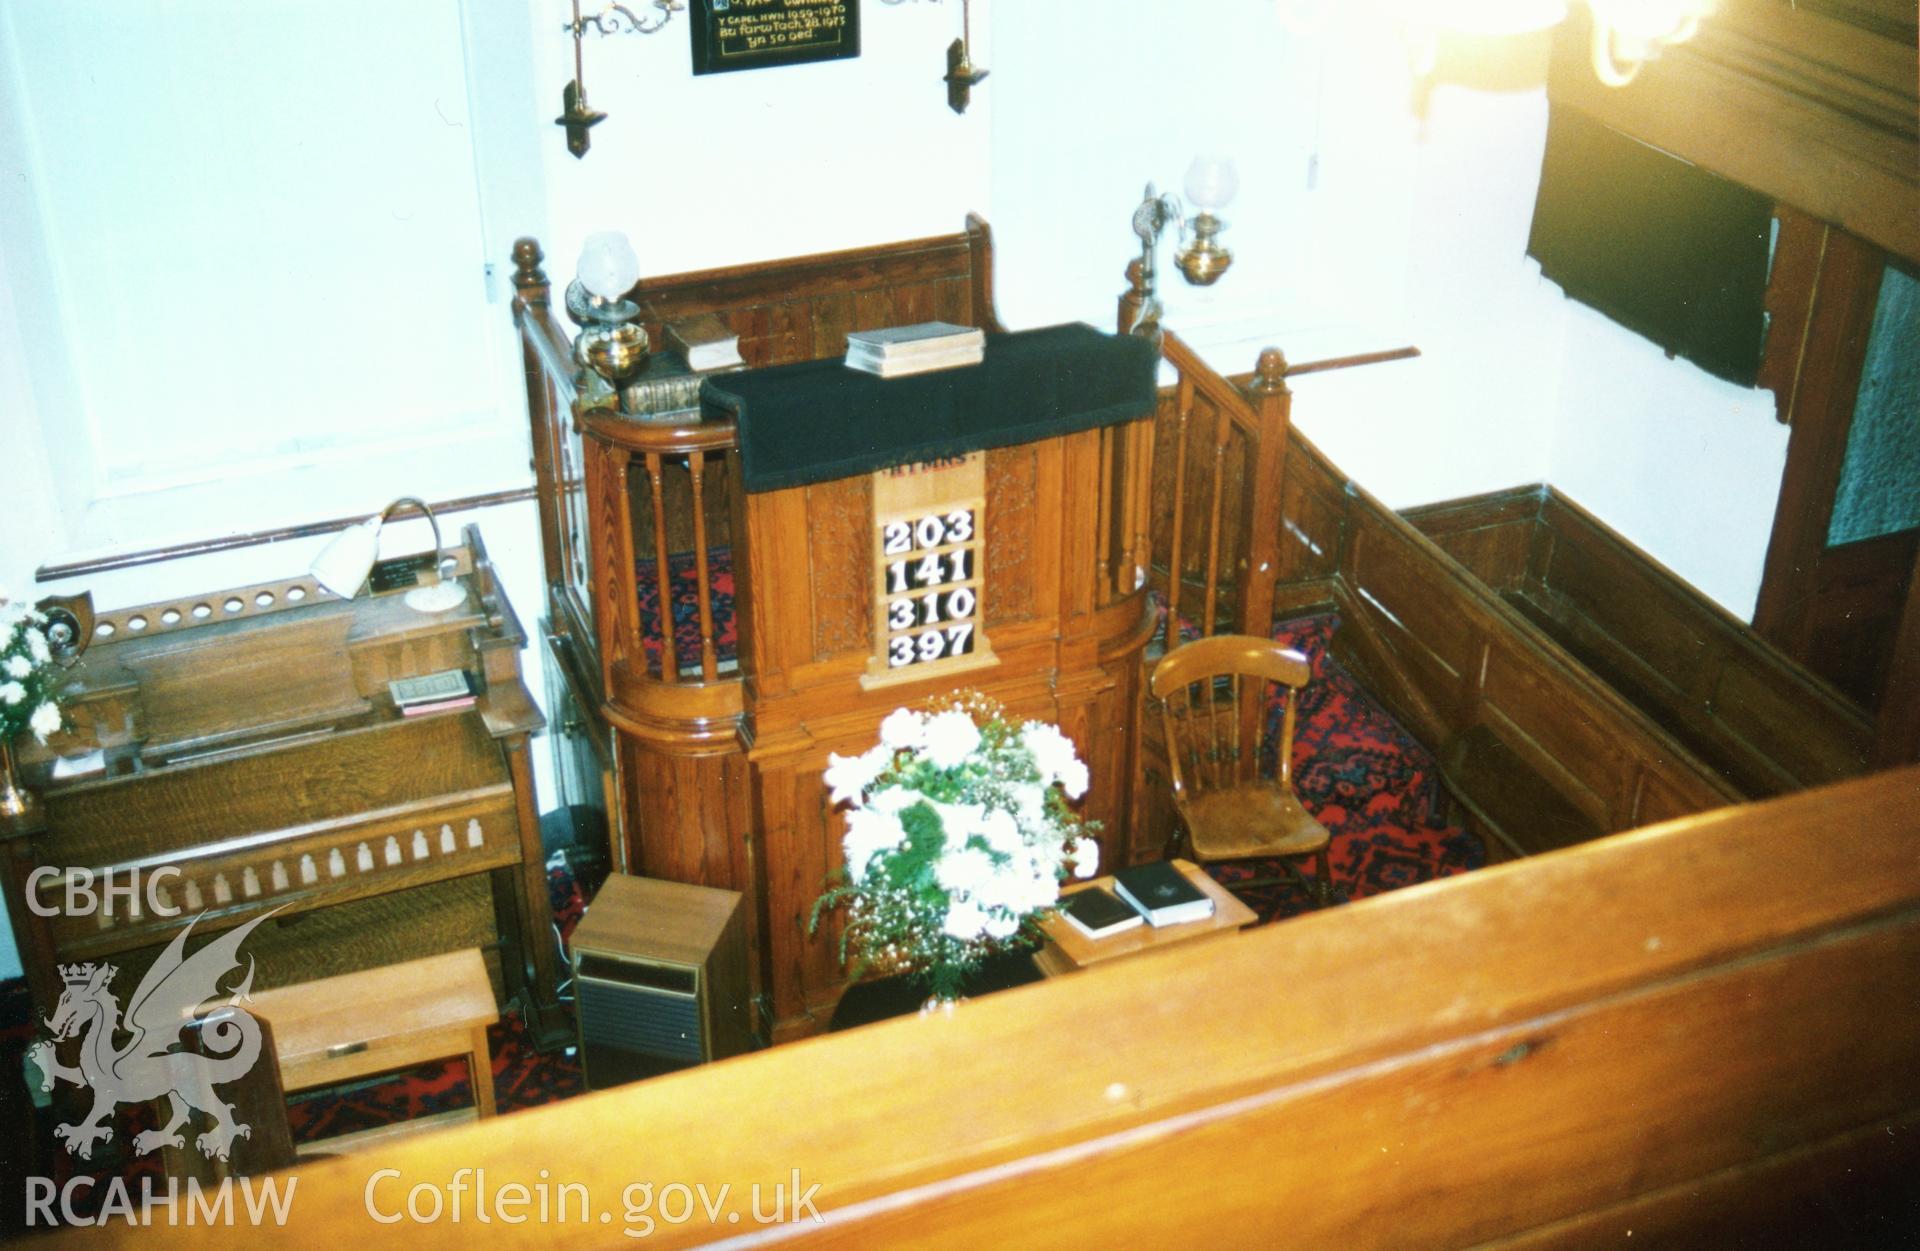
344,564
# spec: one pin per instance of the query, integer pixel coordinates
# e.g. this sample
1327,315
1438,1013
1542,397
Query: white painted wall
1683,464
726,169
1359,225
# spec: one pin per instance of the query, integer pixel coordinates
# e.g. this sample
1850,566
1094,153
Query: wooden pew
1767,724
1539,748
1696,1032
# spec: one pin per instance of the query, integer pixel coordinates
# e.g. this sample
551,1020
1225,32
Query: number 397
955,640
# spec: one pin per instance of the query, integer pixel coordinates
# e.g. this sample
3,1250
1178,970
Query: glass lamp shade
343,564
1628,33
1212,182
608,265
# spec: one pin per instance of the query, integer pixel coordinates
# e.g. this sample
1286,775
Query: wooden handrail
1214,386
660,438
551,346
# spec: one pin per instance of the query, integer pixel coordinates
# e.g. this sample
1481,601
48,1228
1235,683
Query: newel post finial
1139,311
528,278
1270,375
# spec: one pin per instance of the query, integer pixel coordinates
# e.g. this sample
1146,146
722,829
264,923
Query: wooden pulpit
739,590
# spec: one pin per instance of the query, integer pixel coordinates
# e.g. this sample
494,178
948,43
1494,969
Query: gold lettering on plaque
749,26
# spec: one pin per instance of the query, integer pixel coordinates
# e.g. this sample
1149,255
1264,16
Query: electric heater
659,979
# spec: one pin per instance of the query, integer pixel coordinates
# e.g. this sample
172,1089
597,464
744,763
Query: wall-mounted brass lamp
1210,184
962,74
614,19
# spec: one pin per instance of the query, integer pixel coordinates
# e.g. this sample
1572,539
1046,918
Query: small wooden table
394,1017
1068,950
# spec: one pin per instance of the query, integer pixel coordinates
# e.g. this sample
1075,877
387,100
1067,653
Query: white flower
894,800
12,692
951,738
1052,751
1086,857
45,720
966,921
868,834
847,776
1001,925
1038,890
904,730
18,666
1002,832
1032,803
964,871
37,644
1073,779
957,821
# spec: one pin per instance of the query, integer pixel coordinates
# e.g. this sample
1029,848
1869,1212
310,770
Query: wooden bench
341,1028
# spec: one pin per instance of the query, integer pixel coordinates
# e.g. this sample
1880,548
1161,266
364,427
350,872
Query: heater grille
640,1012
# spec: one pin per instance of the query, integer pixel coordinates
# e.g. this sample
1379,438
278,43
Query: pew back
1551,1051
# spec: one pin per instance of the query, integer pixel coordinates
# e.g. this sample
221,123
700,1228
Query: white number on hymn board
919,581
932,530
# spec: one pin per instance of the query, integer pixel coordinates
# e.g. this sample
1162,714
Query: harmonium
242,753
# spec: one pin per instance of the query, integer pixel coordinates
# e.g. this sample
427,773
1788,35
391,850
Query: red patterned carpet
1373,787
1376,790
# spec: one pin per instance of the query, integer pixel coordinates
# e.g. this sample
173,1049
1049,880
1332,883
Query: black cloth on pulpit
818,420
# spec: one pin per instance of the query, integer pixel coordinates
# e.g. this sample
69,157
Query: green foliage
934,901
28,677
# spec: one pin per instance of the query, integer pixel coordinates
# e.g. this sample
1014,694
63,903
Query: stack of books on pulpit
897,351
705,343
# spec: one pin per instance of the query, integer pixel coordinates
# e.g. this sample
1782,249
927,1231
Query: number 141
932,570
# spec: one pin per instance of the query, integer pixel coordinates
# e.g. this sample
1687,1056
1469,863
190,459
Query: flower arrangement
27,674
958,837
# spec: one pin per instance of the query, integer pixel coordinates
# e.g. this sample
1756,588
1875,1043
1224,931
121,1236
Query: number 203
932,530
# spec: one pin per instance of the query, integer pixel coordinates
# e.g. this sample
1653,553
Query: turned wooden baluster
1273,408
1222,432
618,585
1176,564
1103,525
709,662
662,574
1140,549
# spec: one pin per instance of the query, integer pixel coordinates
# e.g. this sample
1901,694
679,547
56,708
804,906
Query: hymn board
929,580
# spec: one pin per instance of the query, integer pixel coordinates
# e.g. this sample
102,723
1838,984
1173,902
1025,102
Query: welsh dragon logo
148,1064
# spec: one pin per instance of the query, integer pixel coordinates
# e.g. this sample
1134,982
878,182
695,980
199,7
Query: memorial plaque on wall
761,34
928,582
